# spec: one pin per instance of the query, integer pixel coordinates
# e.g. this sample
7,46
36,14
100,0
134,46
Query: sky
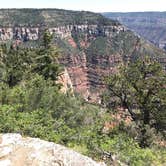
89,5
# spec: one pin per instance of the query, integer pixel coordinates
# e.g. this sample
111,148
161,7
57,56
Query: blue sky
91,5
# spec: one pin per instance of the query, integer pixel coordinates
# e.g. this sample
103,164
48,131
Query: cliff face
78,44
33,33
150,25
91,45
85,63
18,151
93,52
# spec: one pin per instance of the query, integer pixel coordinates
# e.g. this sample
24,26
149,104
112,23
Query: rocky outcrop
34,33
16,150
17,33
65,82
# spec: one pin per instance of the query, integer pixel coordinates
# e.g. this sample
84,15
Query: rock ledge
16,150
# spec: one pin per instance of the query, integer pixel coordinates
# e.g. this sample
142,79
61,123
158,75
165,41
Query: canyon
118,123
150,25
91,45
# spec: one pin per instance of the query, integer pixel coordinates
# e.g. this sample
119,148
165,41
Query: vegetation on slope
50,18
31,104
140,89
150,25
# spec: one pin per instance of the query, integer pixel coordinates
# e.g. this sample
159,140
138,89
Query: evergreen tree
13,64
140,89
46,63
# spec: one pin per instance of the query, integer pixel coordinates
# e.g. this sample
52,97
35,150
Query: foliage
17,63
46,61
38,109
57,17
139,88
13,64
99,47
32,104
129,152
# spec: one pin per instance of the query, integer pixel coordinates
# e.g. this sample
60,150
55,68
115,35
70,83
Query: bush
129,152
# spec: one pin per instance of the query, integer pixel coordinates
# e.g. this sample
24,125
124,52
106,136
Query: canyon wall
86,73
150,25
91,45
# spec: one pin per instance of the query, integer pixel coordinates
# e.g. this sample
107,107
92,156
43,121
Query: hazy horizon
90,5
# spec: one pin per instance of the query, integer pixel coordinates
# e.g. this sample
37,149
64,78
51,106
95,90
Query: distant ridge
150,25
49,17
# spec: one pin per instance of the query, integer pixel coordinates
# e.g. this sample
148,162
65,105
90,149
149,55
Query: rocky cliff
16,150
91,45
150,25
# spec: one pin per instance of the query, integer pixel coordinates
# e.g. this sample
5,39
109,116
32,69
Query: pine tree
140,89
